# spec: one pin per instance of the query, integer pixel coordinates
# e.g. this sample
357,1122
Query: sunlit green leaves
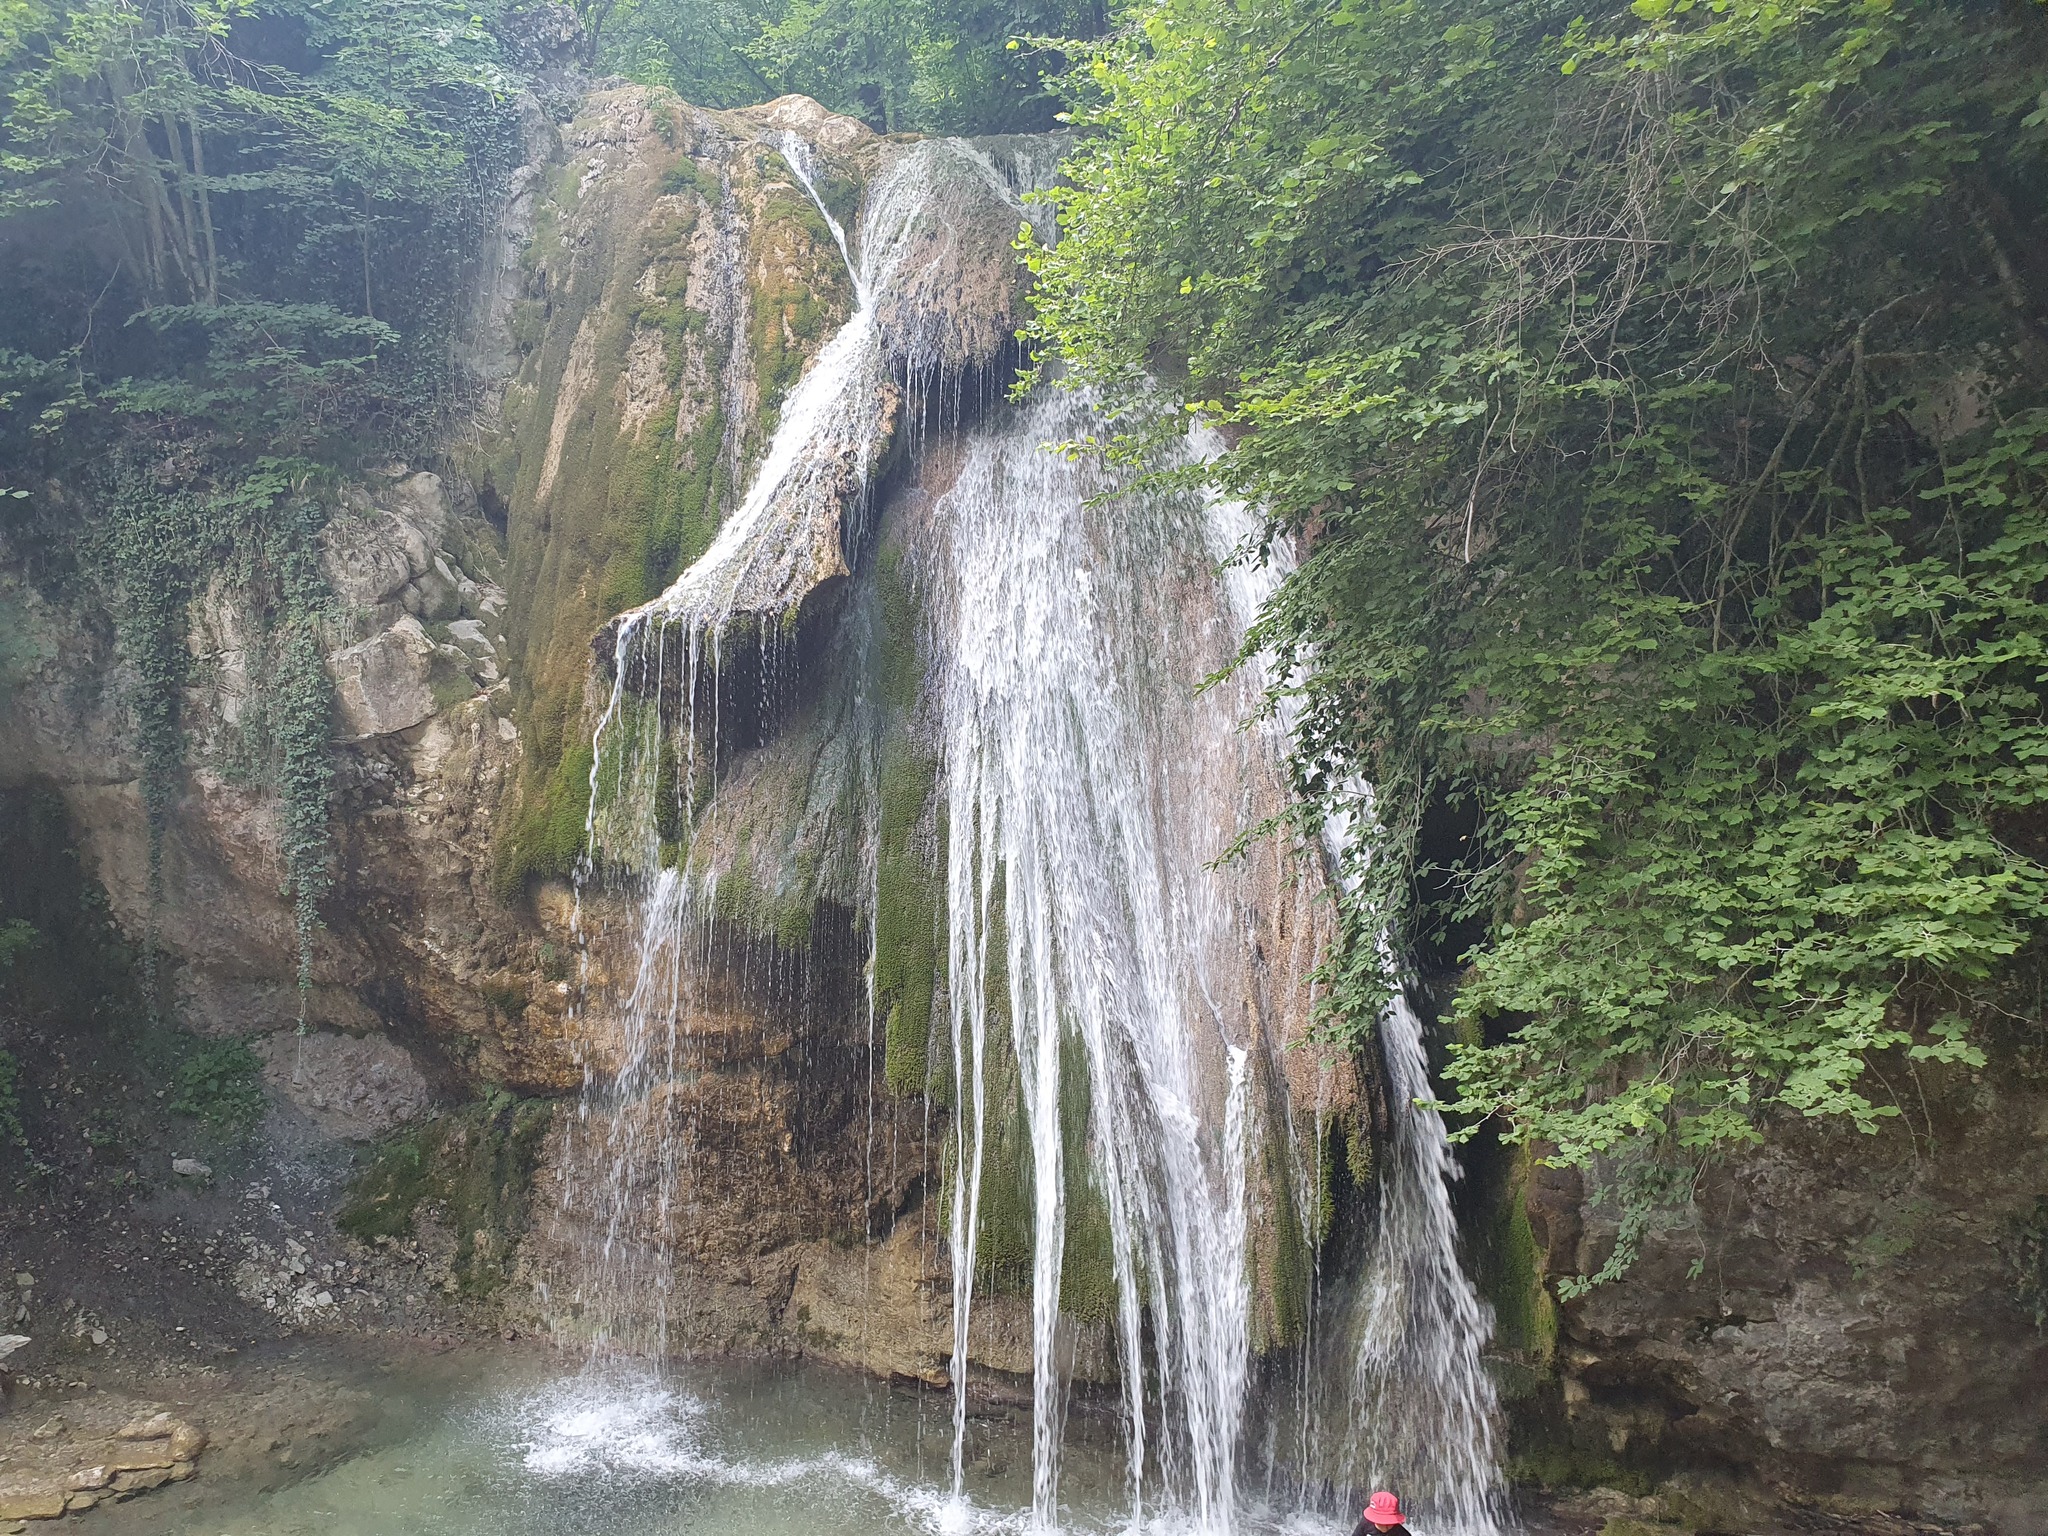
953,66
1656,394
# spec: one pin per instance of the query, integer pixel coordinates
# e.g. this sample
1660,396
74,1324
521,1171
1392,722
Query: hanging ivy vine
258,531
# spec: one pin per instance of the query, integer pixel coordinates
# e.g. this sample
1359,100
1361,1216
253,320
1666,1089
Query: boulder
139,1456
31,1503
381,685
354,1087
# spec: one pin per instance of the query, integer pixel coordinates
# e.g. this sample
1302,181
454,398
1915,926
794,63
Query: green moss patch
688,176
1006,1234
1508,1268
783,911
1088,1261
910,893
630,504
1554,1468
547,833
909,915
473,1168
791,314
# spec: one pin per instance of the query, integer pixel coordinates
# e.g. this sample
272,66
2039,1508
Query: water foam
597,1426
627,1429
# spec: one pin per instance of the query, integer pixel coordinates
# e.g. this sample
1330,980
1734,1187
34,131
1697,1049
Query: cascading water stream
658,744
1083,914
1423,1407
1423,1412
797,154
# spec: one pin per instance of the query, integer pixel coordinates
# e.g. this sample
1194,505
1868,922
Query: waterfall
696,672
1422,1411
1423,1408
1116,1097
1084,916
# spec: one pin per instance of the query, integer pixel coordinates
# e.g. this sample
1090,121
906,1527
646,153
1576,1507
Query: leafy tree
206,199
949,66
1658,400
698,50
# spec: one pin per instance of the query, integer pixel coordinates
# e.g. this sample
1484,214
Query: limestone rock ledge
97,1451
1834,1322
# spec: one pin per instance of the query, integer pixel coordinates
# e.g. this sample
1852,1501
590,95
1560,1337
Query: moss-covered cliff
675,282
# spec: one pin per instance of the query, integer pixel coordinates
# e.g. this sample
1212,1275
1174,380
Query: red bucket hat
1383,1509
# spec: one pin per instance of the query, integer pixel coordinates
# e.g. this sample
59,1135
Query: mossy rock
619,455
1562,1467
474,1166
1623,1525
547,832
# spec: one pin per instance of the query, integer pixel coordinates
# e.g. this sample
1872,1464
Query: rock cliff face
424,744
1846,1322
659,282
1849,1322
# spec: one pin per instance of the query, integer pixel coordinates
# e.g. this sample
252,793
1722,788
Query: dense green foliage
230,215
1658,399
946,66
218,1084
256,526
11,1133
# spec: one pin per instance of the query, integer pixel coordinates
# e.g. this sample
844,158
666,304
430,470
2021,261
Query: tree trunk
187,221
368,309
205,212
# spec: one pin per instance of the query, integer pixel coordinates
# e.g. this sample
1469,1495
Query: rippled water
526,1448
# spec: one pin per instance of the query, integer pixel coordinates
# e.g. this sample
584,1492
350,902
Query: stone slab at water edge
99,1449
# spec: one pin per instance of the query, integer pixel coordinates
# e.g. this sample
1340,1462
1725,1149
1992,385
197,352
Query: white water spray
1083,914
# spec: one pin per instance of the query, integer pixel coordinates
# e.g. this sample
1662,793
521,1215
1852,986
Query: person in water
1382,1517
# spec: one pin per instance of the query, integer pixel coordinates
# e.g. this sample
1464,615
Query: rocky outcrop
356,1088
96,1452
674,283
938,292
395,567
1836,1322
413,935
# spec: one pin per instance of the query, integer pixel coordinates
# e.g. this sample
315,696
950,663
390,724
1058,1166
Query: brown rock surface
1833,1317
